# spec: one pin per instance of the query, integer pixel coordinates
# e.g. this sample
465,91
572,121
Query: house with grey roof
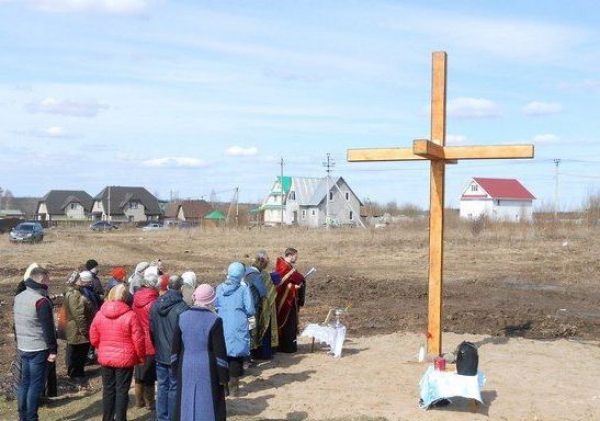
312,202
64,205
125,204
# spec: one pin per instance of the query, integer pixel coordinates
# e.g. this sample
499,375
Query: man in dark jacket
36,340
164,317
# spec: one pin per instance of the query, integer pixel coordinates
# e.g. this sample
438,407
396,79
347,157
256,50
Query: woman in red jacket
145,374
119,341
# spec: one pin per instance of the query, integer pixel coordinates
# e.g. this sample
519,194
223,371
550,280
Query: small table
436,385
333,336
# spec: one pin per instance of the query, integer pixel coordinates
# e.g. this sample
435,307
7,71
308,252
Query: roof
504,188
193,208
11,212
215,215
121,195
172,210
287,183
57,200
312,191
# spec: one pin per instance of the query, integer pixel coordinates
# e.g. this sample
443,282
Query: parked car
103,226
27,231
153,226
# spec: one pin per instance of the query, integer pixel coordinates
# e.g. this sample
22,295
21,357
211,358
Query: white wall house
499,199
64,205
304,201
127,204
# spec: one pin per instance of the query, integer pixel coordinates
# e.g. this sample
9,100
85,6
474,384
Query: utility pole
281,185
329,164
556,163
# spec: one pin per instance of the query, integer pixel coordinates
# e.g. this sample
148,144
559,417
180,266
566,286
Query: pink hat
204,295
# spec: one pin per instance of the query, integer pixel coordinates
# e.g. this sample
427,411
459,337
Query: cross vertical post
436,205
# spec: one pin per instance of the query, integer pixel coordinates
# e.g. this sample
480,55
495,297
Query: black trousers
76,359
115,392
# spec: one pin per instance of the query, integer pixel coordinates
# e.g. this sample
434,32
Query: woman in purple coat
199,358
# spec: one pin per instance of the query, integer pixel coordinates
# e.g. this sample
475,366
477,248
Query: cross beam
438,155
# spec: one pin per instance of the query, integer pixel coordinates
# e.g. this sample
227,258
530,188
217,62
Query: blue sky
192,96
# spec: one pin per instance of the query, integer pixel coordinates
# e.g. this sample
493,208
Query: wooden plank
489,152
436,205
382,154
428,149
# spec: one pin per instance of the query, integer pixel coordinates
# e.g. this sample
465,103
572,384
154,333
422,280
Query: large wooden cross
439,155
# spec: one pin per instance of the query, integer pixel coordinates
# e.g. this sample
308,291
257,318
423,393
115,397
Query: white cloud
174,162
70,108
536,108
455,139
239,151
543,138
117,7
54,132
473,108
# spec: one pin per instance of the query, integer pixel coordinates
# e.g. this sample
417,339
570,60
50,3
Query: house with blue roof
312,202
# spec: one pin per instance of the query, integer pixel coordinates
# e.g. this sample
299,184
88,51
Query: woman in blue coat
234,305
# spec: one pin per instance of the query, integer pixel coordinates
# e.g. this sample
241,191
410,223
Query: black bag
467,359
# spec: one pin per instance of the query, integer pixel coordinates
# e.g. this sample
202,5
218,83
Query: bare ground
534,282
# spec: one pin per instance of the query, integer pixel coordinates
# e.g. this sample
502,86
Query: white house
500,199
307,201
64,205
125,204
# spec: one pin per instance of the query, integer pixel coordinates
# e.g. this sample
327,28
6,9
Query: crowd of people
184,345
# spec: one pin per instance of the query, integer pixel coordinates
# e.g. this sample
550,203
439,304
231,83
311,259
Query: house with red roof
500,199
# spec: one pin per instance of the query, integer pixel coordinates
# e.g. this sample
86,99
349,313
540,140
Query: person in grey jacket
36,340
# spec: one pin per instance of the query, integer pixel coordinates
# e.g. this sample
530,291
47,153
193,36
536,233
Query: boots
140,402
234,387
149,397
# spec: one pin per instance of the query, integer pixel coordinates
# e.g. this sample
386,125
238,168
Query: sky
187,98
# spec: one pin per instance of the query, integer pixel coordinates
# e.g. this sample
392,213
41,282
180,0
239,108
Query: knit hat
151,270
91,264
86,277
204,295
118,273
236,271
141,267
189,278
29,269
163,282
150,280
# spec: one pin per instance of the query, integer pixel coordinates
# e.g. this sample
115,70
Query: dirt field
508,281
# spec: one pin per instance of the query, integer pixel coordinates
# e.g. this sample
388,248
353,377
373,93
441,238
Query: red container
439,364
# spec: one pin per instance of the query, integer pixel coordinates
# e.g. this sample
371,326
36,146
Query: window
348,197
474,187
292,195
331,196
313,212
303,213
351,215
133,204
73,205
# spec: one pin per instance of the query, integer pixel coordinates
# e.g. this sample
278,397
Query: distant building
192,211
499,199
11,213
125,204
64,205
215,219
304,201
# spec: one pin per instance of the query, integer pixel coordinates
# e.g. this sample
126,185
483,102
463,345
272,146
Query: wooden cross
439,155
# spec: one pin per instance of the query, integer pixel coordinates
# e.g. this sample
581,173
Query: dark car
27,231
103,226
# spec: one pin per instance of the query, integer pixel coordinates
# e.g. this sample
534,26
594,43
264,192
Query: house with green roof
312,202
